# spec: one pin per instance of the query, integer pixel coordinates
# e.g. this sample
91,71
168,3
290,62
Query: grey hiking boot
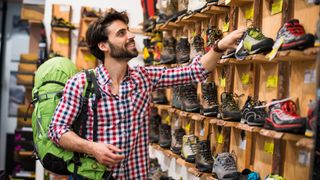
229,108
189,99
168,55
225,167
176,99
209,103
165,136
155,121
204,160
176,143
189,148
183,50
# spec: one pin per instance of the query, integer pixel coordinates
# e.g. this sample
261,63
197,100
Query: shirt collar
104,76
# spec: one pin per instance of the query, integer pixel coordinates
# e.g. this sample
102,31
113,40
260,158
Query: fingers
114,148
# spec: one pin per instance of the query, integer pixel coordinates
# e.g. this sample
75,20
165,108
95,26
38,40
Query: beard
123,53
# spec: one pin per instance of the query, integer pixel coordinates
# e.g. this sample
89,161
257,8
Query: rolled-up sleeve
164,77
67,109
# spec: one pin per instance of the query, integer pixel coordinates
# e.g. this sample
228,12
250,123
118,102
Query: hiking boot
168,55
252,115
60,22
147,51
91,13
213,34
225,167
209,104
165,136
294,36
189,99
183,50
159,96
283,117
183,5
196,5
176,143
176,100
197,47
274,177
253,42
247,174
155,121
230,53
204,160
229,108
311,119
189,148
83,43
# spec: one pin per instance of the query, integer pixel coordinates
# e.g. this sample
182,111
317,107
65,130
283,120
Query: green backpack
49,82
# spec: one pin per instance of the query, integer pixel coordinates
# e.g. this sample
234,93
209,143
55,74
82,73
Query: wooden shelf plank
221,122
215,9
83,48
307,143
89,19
247,127
61,29
292,137
271,133
198,117
239,2
294,55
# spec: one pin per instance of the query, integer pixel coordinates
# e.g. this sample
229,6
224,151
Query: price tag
245,78
62,40
89,58
249,12
223,82
304,157
309,76
243,144
64,8
268,147
201,132
220,139
167,120
272,81
276,7
187,128
225,27
275,49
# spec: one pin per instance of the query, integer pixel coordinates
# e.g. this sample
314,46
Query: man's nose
131,35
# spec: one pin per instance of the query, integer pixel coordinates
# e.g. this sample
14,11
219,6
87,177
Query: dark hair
97,30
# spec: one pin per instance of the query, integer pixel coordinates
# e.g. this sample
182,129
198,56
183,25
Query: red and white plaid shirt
123,118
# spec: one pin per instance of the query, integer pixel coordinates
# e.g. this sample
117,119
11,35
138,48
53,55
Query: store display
209,104
204,160
189,148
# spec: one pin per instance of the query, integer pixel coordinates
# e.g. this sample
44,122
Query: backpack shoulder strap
97,93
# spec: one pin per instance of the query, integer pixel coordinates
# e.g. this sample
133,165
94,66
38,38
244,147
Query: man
123,110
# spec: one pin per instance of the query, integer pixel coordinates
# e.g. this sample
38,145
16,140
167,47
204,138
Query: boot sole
203,168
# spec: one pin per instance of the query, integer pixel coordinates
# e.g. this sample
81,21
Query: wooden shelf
221,122
25,153
161,106
272,134
61,29
307,143
83,48
239,2
247,127
198,117
196,17
295,55
215,10
89,19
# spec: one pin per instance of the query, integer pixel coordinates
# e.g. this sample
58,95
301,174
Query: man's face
121,41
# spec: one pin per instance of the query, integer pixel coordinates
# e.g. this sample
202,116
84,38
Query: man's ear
103,46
